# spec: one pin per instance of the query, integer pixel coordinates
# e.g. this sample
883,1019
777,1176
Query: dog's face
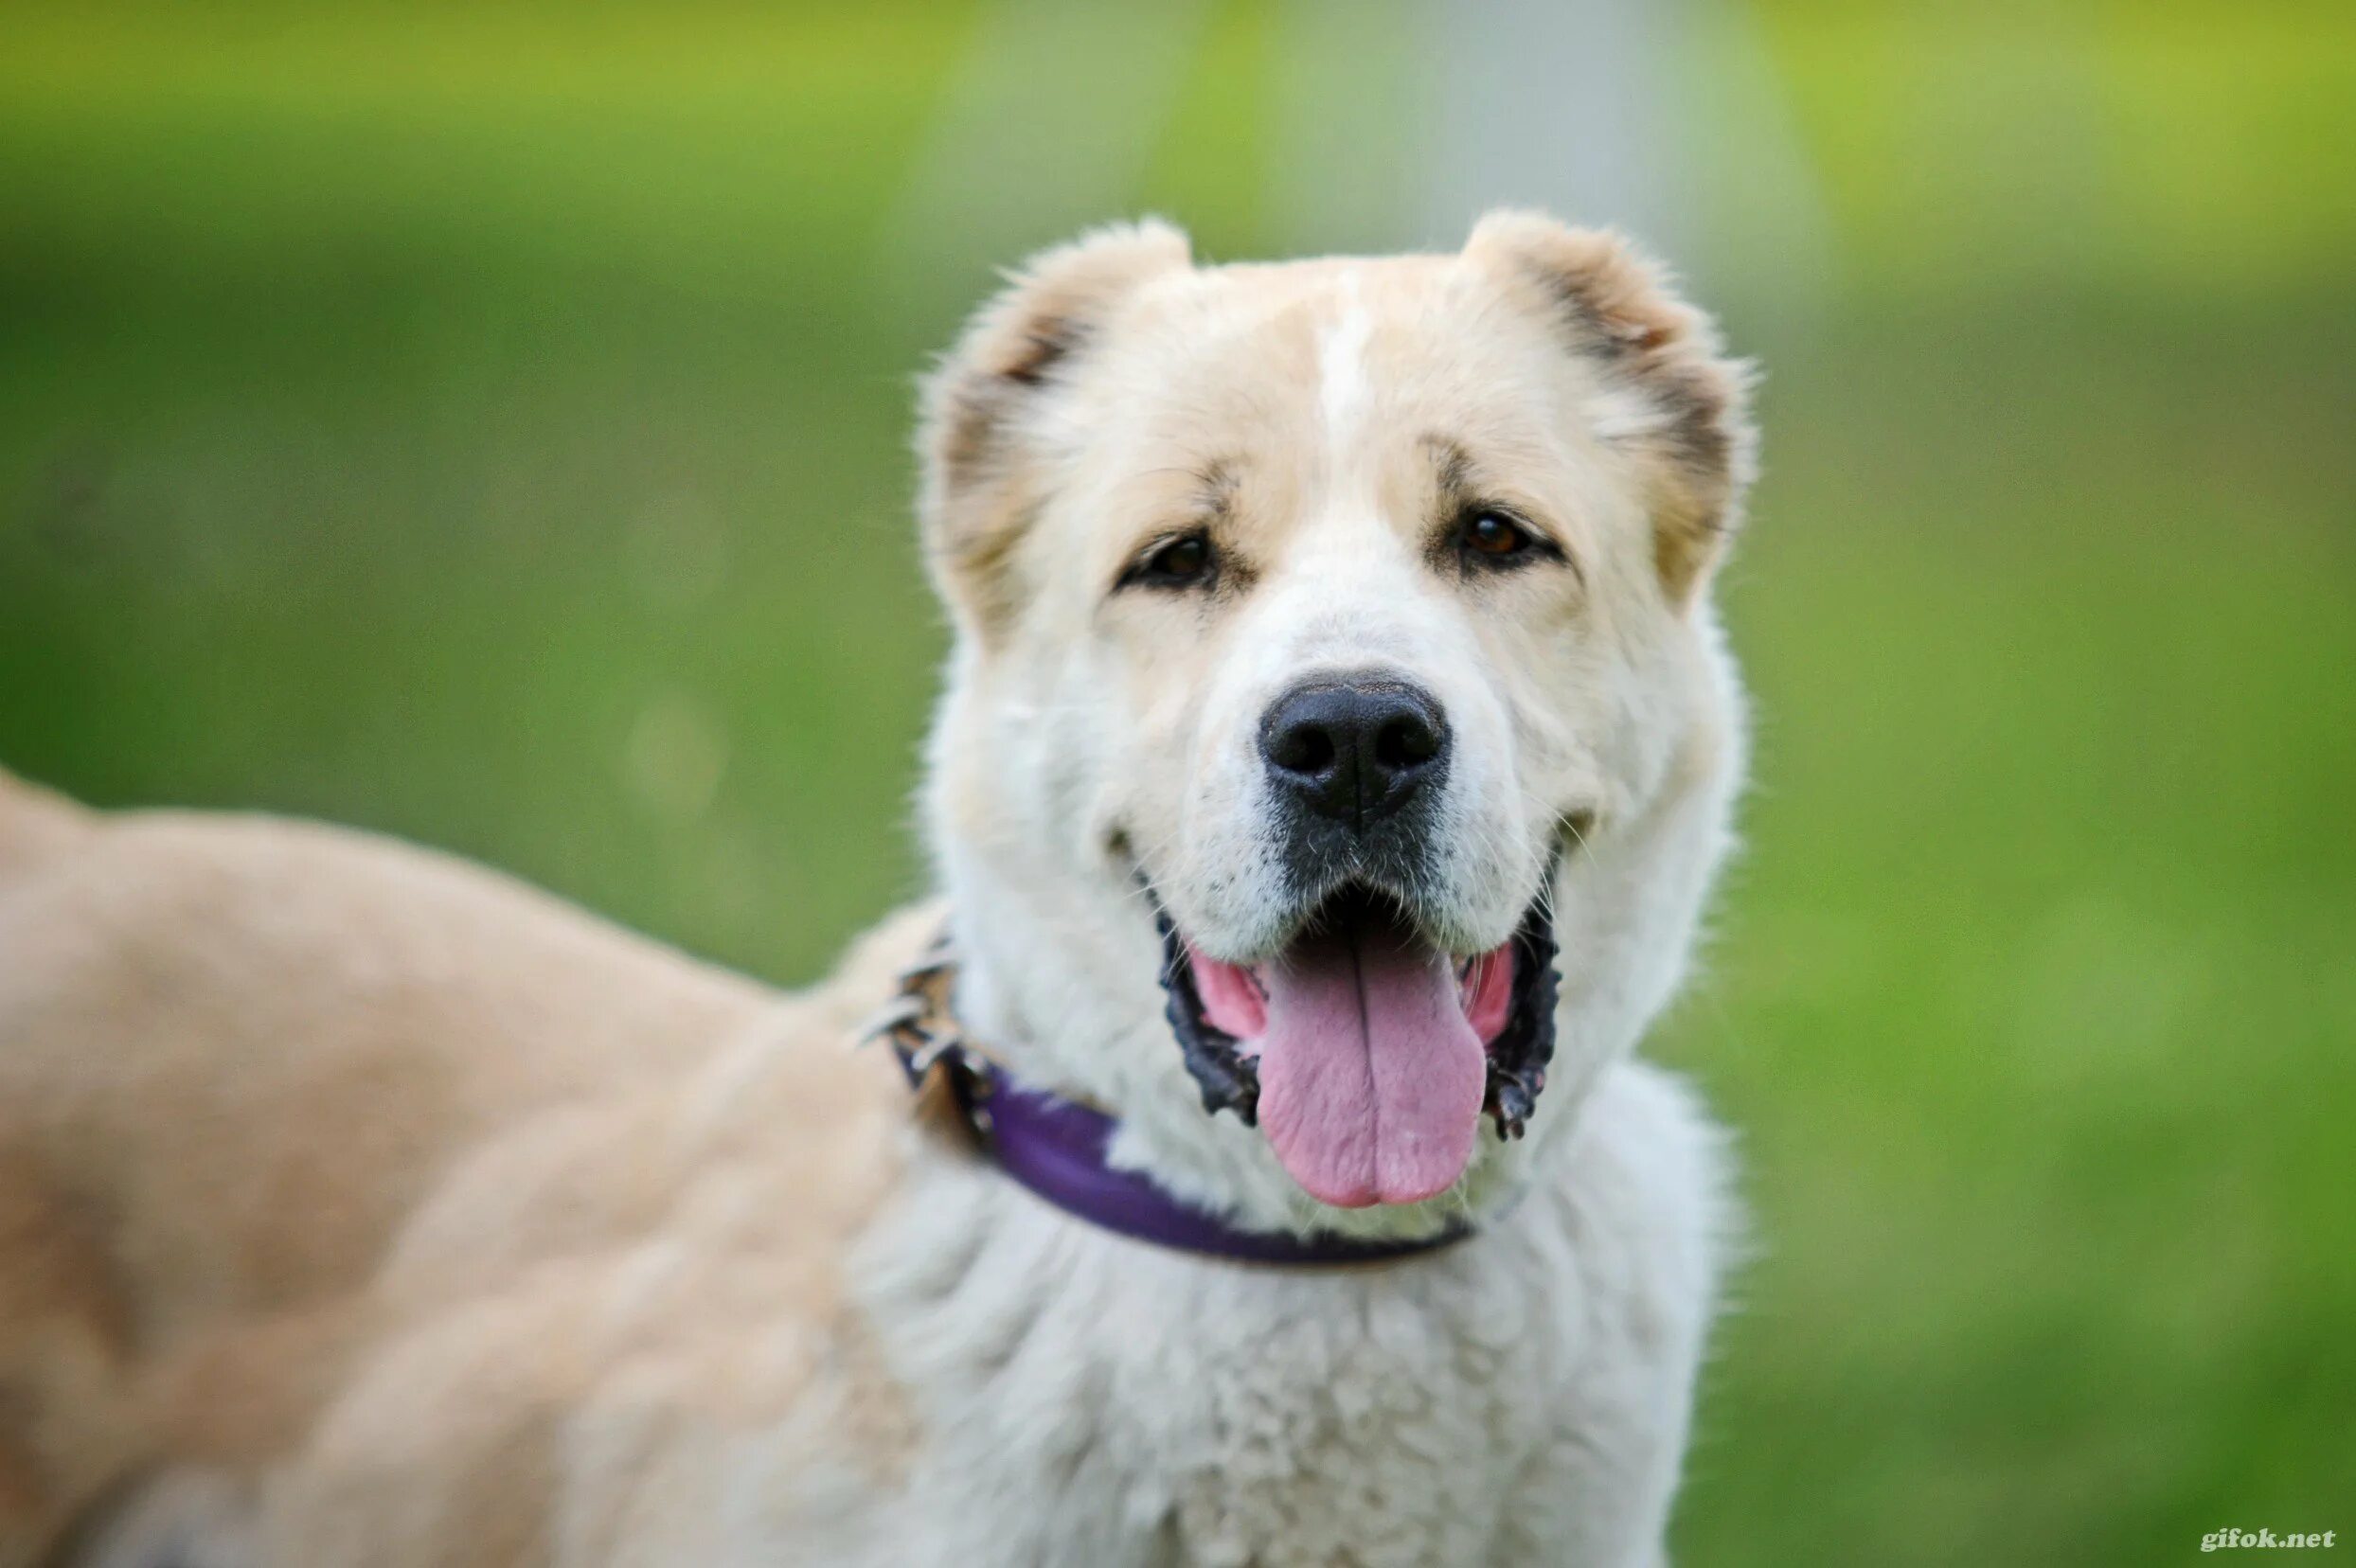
1314,614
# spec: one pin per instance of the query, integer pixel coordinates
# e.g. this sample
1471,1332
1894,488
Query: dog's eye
1181,562
1493,536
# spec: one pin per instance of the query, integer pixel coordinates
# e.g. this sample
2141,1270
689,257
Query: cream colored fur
362,1209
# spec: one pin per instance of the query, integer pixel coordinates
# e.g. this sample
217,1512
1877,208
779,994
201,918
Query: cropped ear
1688,404
979,476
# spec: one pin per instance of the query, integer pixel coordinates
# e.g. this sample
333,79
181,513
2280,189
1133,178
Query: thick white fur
1521,1400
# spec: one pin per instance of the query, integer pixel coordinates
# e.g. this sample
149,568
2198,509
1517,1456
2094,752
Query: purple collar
1057,1147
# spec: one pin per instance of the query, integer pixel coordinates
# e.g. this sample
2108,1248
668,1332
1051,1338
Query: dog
1242,1160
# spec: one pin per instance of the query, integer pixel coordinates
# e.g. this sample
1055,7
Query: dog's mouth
1365,1051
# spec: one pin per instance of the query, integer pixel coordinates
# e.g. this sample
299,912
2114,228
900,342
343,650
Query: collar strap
1058,1147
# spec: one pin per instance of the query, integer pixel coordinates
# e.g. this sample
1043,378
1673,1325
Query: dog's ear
975,441
1688,405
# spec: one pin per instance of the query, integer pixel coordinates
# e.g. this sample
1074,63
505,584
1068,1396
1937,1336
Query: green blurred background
487,424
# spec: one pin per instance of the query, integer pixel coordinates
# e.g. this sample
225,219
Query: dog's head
1330,646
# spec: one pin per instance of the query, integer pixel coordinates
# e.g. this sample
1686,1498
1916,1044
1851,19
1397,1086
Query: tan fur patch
67,1417
1619,306
323,1154
974,507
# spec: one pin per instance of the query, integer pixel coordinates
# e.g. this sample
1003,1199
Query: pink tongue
1370,1076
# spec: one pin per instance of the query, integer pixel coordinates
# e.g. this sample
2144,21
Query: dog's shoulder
676,1279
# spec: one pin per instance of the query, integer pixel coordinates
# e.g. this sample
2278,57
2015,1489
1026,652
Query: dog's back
250,1072
34,827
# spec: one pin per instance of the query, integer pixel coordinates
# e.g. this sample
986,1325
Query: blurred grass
484,427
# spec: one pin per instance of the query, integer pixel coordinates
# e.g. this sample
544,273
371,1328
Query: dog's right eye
1187,560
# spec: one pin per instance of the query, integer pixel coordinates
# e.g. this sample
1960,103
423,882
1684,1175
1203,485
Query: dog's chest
1091,1400
1365,1421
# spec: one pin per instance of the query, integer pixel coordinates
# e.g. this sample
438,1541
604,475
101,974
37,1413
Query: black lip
1229,1080
1519,1055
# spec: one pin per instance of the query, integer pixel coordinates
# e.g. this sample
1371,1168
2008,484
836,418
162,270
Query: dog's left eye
1493,536
1181,562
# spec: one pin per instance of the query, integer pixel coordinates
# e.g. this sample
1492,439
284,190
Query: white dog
1337,747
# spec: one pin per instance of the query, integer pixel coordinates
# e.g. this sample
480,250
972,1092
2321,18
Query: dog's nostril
1405,741
1306,748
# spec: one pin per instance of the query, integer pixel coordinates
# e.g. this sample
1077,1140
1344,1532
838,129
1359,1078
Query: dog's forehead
1340,392
1340,348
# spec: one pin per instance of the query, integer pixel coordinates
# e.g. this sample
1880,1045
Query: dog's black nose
1354,750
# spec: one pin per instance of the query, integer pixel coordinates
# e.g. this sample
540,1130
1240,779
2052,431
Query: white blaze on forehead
1349,590
1341,366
